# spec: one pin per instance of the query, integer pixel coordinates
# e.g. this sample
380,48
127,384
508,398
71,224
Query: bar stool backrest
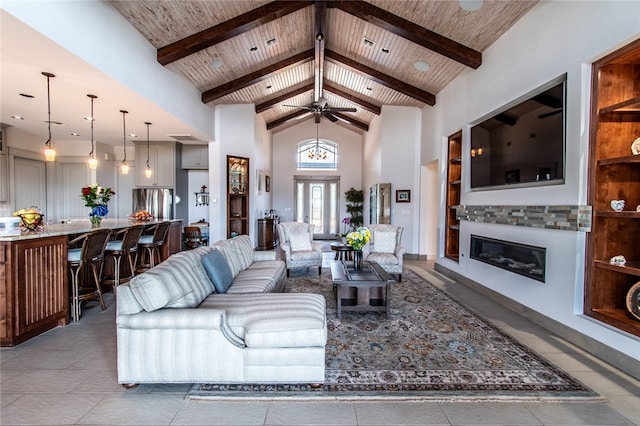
131,237
93,245
192,237
160,235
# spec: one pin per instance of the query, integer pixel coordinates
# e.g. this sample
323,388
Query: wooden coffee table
365,290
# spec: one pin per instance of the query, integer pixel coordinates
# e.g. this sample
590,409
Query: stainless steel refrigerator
157,201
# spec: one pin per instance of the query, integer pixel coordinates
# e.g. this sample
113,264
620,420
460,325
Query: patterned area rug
432,348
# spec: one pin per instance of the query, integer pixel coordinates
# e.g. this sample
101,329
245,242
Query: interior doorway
316,201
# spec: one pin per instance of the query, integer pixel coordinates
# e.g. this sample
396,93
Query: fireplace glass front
515,257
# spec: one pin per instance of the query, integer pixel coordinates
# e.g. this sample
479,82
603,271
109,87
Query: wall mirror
380,203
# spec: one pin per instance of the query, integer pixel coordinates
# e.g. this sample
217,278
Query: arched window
317,154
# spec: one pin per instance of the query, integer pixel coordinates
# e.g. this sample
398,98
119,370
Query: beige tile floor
68,376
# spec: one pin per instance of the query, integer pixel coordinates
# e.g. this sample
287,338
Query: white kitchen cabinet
162,160
4,178
195,157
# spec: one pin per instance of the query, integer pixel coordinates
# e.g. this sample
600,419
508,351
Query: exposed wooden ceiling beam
412,32
381,78
228,29
284,119
257,76
356,100
354,122
261,107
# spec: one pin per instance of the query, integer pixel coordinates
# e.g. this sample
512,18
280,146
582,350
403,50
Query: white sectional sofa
176,323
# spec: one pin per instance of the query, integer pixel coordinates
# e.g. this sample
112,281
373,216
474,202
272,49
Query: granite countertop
78,226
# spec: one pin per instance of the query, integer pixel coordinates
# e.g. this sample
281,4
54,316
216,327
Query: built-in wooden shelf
454,181
614,174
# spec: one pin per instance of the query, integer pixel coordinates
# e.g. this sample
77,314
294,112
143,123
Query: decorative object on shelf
618,260
358,239
93,163
49,152
638,208
633,300
97,198
403,196
30,219
141,215
617,205
635,147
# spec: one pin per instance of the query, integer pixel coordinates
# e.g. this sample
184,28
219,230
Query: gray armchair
385,248
297,245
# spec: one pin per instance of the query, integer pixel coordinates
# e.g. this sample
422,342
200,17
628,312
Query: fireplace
515,257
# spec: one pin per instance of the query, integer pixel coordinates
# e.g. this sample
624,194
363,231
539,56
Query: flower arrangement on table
359,238
97,198
141,215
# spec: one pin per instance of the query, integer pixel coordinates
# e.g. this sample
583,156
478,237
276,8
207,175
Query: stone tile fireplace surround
515,257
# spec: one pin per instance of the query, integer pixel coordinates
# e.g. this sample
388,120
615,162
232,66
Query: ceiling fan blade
308,108
330,116
549,114
337,109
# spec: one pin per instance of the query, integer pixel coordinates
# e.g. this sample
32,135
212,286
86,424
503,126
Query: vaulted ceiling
294,59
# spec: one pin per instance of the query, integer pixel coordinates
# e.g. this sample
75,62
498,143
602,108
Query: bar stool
192,237
150,245
91,254
125,244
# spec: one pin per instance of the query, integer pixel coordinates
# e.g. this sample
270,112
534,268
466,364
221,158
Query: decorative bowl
30,219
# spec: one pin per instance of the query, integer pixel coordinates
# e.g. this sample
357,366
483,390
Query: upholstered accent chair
385,248
297,245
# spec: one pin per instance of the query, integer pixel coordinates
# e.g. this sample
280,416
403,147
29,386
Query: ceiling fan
320,107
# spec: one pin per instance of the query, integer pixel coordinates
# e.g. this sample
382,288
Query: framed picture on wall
267,183
403,196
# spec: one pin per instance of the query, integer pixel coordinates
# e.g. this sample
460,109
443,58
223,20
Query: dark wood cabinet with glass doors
237,196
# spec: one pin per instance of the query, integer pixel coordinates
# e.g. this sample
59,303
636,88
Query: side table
343,251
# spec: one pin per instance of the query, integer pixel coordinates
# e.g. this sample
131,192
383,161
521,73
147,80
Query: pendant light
148,172
124,168
93,163
49,152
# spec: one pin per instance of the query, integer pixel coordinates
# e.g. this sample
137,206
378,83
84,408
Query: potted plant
355,200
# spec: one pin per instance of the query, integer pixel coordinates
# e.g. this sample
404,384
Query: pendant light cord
48,143
124,135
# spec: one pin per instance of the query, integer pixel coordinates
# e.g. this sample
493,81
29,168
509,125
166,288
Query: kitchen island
34,289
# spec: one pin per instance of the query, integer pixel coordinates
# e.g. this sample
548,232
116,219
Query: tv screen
523,143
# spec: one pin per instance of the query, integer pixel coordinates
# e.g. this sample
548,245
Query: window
317,154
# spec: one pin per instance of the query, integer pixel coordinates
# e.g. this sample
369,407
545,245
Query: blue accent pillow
218,270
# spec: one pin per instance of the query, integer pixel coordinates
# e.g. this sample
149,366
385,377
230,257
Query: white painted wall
527,56
285,162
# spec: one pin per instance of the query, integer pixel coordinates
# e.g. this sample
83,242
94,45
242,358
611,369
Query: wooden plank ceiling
321,59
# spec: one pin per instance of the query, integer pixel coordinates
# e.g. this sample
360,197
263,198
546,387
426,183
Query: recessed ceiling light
422,66
75,134
55,123
17,117
26,95
133,135
217,63
385,50
271,41
368,42
269,86
471,5
369,88
253,49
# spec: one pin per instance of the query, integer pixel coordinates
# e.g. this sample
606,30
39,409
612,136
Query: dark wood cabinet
614,174
267,234
454,185
237,196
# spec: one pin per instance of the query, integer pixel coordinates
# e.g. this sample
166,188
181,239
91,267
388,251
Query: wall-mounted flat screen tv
523,143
